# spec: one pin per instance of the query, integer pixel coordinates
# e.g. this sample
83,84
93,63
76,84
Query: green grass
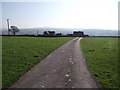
19,54
102,58
0,62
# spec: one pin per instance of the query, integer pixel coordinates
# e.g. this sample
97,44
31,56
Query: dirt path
63,68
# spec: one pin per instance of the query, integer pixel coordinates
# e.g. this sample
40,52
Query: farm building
49,33
78,33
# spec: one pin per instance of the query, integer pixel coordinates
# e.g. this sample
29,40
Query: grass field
102,57
19,54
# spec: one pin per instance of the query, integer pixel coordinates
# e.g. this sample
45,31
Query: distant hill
100,32
90,32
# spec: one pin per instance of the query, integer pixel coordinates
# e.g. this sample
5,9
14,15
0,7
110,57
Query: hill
90,32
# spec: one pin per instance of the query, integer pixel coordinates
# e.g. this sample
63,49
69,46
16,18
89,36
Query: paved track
64,68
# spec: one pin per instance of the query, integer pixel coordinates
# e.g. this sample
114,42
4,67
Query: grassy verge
102,57
19,54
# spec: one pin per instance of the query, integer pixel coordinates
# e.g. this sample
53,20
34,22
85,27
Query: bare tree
14,29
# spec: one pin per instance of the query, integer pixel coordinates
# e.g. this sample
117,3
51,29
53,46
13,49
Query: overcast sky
99,14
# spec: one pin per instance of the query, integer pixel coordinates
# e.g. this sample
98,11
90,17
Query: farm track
66,67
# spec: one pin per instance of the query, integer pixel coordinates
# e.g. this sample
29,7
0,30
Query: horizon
66,14
63,28
90,32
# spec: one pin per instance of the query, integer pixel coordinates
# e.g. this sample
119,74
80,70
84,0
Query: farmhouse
49,33
78,33
46,33
59,34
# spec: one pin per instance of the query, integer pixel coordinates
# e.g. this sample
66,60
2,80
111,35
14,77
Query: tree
14,29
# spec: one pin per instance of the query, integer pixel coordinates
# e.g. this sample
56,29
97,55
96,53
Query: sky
90,14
